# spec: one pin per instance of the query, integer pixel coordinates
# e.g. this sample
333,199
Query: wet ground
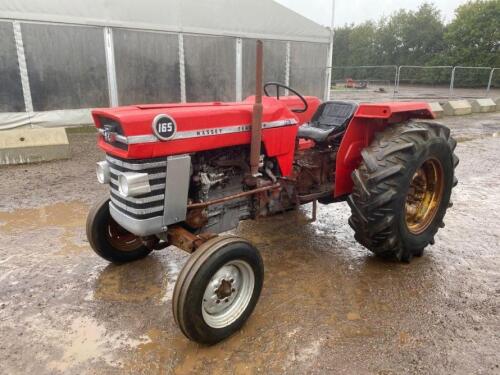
328,305
385,92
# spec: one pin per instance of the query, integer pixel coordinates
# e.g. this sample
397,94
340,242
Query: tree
423,34
355,45
411,38
405,37
421,38
473,37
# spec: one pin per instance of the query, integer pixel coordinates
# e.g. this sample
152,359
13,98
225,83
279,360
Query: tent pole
330,55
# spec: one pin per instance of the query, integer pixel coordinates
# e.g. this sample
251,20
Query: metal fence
414,81
469,76
490,79
385,75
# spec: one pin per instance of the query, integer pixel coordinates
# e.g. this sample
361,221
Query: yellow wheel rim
424,196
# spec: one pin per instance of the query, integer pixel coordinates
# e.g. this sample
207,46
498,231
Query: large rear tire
402,189
109,240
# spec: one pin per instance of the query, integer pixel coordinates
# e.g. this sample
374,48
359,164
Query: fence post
490,80
396,80
452,82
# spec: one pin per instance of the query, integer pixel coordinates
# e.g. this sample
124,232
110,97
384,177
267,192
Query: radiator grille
144,206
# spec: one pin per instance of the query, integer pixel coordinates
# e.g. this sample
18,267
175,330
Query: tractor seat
330,118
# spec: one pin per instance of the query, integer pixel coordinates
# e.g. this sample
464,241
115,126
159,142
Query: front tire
217,289
109,240
402,189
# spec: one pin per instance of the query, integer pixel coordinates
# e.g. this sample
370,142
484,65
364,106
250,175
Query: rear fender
369,119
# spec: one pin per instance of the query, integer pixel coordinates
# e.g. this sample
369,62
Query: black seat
331,117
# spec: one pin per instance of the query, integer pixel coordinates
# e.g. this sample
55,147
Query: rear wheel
110,240
402,189
217,289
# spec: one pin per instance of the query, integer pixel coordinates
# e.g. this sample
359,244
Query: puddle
85,341
141,281
61,215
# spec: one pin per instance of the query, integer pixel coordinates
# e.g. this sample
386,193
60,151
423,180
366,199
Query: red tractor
181,174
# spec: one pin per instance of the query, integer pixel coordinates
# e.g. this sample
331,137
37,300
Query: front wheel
217,289
402,189
109,240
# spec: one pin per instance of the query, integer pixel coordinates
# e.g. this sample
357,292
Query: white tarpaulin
59,57
242,18
46,119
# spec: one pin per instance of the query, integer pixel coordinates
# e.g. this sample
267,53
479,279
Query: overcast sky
357,11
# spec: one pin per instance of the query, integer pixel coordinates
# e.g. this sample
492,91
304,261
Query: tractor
183,174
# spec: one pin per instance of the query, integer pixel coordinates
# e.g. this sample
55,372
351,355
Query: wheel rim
120,238
424,196
228,294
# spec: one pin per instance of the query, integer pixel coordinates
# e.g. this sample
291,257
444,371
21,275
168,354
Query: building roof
240,18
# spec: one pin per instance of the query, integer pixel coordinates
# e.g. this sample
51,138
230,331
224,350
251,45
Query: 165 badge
164,127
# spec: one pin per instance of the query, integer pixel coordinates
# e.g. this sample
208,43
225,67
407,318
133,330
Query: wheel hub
228,293
224,290
120,238
221,290
424,196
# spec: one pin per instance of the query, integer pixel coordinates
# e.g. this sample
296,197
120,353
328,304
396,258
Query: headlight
102,172
131,184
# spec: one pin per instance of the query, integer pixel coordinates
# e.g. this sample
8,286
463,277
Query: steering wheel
278,85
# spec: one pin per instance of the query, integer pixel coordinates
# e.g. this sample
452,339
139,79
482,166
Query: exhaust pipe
257,114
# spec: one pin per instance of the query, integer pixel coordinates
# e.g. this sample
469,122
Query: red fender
369,119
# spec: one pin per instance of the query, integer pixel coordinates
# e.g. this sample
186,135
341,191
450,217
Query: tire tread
376,185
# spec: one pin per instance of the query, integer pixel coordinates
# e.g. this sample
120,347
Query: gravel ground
328,305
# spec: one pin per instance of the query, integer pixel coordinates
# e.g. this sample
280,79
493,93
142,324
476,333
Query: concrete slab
437,109
22,146
457,108
483,105
497,101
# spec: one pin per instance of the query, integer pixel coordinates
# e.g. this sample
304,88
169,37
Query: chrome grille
144,206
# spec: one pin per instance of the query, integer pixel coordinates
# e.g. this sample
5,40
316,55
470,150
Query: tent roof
241,18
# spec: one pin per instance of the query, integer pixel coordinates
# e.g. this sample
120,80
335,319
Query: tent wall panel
66,66
307,67
264,19
210,68
274,64
147,67
11,90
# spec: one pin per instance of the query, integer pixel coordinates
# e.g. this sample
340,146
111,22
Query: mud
328,305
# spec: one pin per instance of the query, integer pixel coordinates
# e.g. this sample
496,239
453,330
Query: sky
358,11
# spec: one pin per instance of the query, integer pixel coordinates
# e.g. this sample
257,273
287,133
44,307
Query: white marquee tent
59,58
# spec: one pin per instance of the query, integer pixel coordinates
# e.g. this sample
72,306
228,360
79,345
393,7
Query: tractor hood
151,131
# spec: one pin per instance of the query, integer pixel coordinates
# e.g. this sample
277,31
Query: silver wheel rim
228,294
